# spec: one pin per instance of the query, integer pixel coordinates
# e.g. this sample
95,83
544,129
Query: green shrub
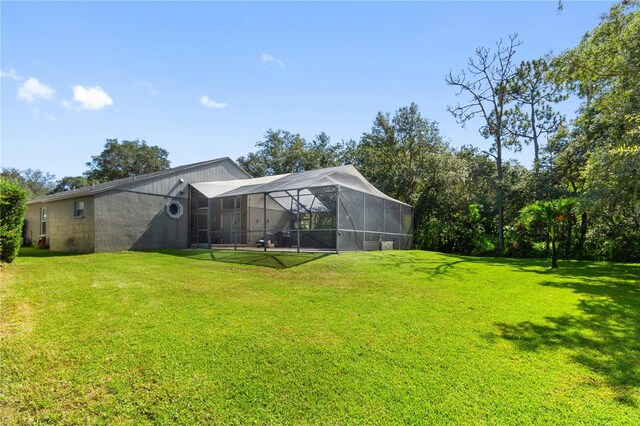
462,233
12,207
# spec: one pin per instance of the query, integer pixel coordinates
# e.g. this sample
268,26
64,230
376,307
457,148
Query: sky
205,80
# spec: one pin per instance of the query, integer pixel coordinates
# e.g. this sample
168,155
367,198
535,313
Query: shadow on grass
38,252
605,336
415,262
275,260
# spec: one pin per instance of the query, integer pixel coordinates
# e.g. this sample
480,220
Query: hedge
13,204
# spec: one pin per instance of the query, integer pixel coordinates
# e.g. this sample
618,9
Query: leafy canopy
127,158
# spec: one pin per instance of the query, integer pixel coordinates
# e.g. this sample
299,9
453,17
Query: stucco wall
32,222
133,217
64,231
135,221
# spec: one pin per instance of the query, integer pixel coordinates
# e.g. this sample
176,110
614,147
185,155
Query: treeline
581,198
116,161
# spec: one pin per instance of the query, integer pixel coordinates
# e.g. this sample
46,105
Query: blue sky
206,79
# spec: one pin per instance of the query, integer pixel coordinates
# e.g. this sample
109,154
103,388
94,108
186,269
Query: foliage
12,209
612,194
137,338
487,82
35,183
405,157
532,117
548,213
284,152
69,183
463,233
604,70
123,159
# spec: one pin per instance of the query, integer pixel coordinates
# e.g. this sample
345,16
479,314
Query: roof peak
105,186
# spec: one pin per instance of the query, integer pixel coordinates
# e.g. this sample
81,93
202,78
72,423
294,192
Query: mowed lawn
384,337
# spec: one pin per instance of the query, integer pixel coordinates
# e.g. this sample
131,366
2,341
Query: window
174,209
78,209
43,220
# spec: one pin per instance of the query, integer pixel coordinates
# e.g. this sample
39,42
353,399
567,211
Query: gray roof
114,184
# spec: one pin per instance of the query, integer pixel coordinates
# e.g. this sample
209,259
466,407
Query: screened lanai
333,209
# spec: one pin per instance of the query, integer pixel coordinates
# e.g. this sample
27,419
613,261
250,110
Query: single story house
216,203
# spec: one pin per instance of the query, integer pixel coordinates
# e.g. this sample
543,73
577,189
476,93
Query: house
135,213
216,203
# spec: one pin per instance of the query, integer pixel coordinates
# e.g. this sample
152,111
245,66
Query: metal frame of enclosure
333,209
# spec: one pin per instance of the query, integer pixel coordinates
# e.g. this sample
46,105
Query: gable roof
345,176
114,184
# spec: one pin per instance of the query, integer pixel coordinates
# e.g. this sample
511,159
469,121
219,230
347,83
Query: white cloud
32,90
210,103
267,58
12,74
93,98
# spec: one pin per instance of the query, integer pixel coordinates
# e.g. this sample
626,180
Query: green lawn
384,337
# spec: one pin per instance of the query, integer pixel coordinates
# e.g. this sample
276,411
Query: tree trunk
567,248
500,196
536,147
554,254
536,154
583,231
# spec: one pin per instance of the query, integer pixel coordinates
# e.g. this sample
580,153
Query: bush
612,244
463,234
12,208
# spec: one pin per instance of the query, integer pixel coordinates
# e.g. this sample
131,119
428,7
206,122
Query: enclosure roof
344,176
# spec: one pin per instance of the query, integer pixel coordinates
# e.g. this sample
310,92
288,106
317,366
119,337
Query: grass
386,337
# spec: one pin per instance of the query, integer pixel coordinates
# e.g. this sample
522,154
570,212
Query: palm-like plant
548,213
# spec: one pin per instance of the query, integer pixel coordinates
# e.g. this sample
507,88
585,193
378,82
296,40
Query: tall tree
127,158
281,152
532,118
487,84
321,153
395,154
603,71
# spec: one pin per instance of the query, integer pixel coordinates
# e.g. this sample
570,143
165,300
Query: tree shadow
38,252
605,336
275,260
416,262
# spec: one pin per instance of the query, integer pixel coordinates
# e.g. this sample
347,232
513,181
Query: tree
548,213
321,153
284,152
34,182
612,193
127,158
12,208
69,183
395,155
532,118
604,71
487,82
